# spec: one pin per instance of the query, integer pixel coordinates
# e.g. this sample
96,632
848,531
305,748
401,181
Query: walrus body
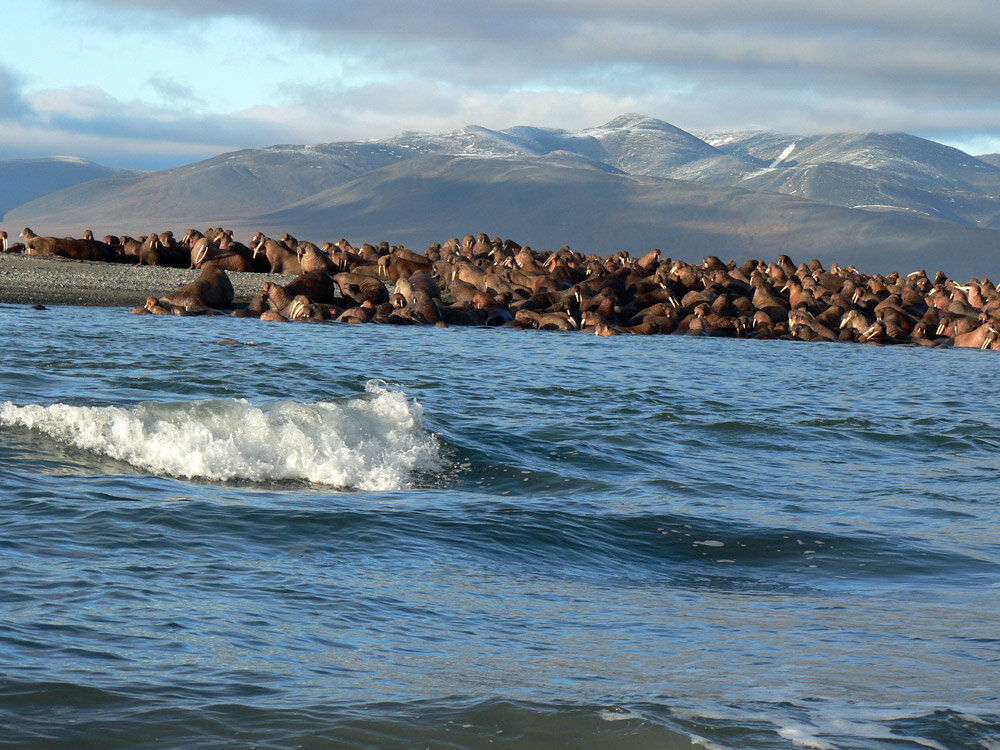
211,289
67,247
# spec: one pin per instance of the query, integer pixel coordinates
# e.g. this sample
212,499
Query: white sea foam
372,442
619,714
803,737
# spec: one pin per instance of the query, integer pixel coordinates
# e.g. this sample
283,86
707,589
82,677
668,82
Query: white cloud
342,70
173,91
88,122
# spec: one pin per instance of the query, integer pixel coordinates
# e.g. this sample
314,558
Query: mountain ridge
22,180
886,189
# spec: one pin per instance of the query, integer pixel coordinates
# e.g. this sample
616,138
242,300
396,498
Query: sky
151,84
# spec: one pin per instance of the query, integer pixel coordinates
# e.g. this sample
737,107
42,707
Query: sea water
217,532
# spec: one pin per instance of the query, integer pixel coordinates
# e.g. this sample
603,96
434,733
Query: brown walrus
211,289
362,288
67,247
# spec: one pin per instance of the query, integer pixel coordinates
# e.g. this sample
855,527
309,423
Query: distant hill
883,201
592,210
874,171
229,188
23,180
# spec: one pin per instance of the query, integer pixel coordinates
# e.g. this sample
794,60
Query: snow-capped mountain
633,183
872,171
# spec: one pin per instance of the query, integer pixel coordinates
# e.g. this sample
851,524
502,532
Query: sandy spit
36,280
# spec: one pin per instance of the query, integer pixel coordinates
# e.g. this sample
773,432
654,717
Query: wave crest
371,442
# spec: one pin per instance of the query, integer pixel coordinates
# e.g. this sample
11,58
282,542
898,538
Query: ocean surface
216,532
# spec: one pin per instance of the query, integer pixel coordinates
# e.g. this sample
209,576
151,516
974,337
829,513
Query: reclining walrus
68,247
212,289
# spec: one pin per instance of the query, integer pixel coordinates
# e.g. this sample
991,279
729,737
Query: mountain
22,180
594,210
883,201
875,171
229,188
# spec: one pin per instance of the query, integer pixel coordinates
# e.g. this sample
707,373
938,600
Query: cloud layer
800,67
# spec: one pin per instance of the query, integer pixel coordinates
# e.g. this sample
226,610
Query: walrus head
200,253
874,330
991,337
299,309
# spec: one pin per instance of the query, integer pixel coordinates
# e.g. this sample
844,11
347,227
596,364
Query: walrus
649,262
983,337
212,289
273,316
302,308
154,252
423,306
804,326
282,258
204,251
316,284
401,265
419,281
546,321
67,247
361,288
311,258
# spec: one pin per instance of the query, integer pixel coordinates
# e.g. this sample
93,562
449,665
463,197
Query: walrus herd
481,281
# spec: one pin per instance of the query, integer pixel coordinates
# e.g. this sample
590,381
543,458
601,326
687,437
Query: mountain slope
432,198
882,201
227,188
872,171
23,180
881,171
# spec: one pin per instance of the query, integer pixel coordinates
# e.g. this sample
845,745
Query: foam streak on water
371,443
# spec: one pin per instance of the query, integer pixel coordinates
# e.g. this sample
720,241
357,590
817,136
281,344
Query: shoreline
619,296
44,280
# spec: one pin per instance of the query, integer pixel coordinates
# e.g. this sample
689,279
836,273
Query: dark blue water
333,535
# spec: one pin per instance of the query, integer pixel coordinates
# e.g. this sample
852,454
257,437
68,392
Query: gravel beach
33,279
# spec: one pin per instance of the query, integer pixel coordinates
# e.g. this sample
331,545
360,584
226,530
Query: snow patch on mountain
784,155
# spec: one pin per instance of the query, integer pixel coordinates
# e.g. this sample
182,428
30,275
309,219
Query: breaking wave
370,442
